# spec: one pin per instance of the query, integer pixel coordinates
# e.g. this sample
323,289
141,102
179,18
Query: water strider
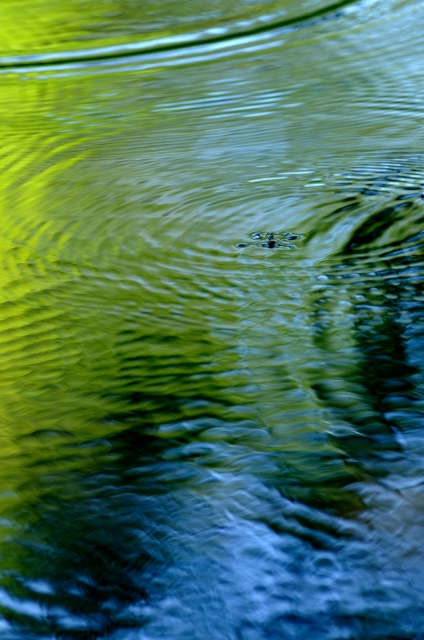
271,240
202,439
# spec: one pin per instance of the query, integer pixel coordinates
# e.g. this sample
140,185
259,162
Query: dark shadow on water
377,395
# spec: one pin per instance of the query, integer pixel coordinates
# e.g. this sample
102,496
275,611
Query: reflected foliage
211,343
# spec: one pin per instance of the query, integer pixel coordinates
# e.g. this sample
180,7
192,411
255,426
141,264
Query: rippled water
44,30
212,321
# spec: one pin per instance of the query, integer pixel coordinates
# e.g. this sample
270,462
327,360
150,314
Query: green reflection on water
123,200
43,27
142,351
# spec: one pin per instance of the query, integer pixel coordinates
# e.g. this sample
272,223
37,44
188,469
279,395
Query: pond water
212,320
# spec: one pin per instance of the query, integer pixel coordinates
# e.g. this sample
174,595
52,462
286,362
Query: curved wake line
162,45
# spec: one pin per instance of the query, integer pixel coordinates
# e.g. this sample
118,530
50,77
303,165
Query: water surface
203,437
44,30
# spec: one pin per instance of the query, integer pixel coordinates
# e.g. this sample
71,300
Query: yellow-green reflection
187,423
47,28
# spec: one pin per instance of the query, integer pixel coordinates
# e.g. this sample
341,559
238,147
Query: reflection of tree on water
96,542
97,538
376,395
82,558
